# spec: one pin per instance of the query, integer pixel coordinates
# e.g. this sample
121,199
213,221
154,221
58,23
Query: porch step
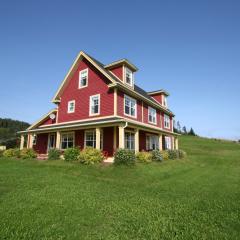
42,156
109,160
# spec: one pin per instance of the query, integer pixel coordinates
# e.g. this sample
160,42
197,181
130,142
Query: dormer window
83,78
129,77
164,101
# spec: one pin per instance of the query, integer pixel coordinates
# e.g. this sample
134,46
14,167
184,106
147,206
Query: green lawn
195,198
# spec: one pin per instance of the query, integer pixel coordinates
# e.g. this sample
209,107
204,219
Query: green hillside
194,198
8,130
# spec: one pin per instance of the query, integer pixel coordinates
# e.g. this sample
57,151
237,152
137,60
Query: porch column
30,140
121,137
176,143
22,142
136,138
58,140
160,142
114,138
98,138
173,143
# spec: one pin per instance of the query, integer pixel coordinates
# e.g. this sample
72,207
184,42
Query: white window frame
154,111
67,133
80,79
167,121
150,140
127,70
69,103
94,133
34,139
135,110
132,142
90,105
164,101
168,142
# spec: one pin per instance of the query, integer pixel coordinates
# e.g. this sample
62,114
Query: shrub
12,152
172,154
91,155
181,154
28,153
144,157
54,154
124,157
157,156
165,155
71,154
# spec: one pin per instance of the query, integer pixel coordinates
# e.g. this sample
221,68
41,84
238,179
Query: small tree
184,130
191,132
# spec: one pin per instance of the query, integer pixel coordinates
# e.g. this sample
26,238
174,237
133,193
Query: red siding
79,138
142,141
48,121
120,103
158,98
118,71
97,84
41,144
108,140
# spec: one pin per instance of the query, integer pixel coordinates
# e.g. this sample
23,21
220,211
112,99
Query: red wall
48,121
158,98
142,141
120,103
108,140
97,84
118,71
79,138
41,144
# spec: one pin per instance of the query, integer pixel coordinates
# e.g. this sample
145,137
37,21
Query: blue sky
189,48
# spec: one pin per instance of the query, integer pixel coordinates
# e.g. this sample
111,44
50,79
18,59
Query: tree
179,127
191,132
184,130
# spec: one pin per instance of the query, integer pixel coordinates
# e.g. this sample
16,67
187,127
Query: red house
101,106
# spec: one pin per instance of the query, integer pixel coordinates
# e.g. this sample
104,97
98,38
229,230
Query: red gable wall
118,71
97,84
158,98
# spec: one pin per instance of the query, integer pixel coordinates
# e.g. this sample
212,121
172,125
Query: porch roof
106,122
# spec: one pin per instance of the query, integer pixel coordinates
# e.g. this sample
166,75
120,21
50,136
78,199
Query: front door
51,141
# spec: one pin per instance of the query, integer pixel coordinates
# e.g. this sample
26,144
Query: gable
73,68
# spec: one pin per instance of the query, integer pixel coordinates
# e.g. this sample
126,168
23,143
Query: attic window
129,77
83,78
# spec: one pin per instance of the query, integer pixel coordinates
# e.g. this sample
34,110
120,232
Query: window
129,140
71,106
83,78
94,105
130,106
152,115
167,142
166,121
152,142
90,139
34,139
129,77
164,101
67,140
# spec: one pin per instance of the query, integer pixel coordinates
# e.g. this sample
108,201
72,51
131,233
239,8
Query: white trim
53,134
68,107
131,77
101,137
167,119
62,133
90,105
131,99
150,108
79,79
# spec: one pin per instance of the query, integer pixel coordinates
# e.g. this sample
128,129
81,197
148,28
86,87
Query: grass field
195,198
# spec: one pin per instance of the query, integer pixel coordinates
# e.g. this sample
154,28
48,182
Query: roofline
120,120
41,119
158,92
142,97
81,53
124,60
